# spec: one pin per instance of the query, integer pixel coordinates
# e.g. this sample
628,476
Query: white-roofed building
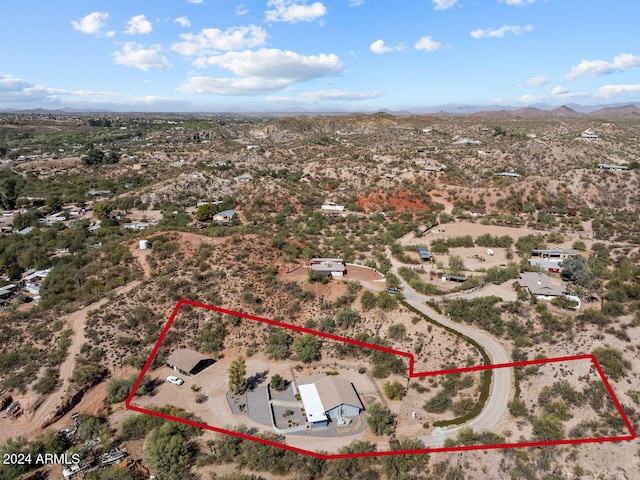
328,397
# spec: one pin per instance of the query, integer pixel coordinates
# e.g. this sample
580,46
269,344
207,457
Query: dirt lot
368,277
213,382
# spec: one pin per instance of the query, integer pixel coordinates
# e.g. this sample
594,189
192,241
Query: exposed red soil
404,200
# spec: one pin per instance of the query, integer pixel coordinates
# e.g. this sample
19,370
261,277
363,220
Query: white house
328,397
332,207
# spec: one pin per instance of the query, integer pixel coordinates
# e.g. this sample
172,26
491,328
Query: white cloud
325,95
232,86
139,24
183,22
197,2
444,4
356,3
519,3
530,98
292,12
210,40
537,81
278,64
262,71
557,93
428,44
594,68
241,10
379,47
615,90
500,32
16,90
92,23
559,90
137,56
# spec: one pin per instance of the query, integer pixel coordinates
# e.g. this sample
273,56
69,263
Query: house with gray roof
328,397
188,362
540,285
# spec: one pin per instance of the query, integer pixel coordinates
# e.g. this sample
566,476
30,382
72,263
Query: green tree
278,383
397,331
394,390
612,362
347,318
579,245
368,300
438,404
94,156
548,427
387,301
576,270
206,212
307,348
405,467
237,376
168,453
278,344
379,419
456,265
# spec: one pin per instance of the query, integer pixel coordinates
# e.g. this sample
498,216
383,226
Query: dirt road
500,392
29,423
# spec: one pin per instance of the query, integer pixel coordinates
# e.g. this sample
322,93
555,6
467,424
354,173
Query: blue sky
361,55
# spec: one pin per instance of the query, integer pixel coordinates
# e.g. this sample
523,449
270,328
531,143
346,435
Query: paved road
500,393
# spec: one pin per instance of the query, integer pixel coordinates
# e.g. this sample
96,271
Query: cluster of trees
95,156
481,310
118,390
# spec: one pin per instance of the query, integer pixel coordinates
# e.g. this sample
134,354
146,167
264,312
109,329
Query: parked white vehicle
175,380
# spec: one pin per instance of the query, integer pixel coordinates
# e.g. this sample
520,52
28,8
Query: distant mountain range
531,111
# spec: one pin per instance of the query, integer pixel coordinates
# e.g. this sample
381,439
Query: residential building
225,217
328,266
328,398
540,285
188,362
606,166
332,207
557,254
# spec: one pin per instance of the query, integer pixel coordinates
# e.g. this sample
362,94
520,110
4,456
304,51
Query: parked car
392,291
175,380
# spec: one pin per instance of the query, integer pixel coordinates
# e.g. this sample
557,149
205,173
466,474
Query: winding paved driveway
500,393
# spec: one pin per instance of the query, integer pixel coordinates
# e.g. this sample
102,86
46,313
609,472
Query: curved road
500,393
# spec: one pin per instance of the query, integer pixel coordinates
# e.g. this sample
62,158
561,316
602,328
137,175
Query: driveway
500,393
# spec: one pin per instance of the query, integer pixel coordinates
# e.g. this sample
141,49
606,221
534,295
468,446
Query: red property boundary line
412,374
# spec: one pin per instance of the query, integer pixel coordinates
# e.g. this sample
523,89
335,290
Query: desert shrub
278,343
379,419
440,403
278,383
612,362
368,300
347,318
393,390
397,331
307,348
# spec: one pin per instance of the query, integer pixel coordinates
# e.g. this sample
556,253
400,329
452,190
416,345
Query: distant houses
454,278
606,166
246,178
137,225
507,174
334,267
540,285
424,254
332,207
226,217
589,135
557,253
